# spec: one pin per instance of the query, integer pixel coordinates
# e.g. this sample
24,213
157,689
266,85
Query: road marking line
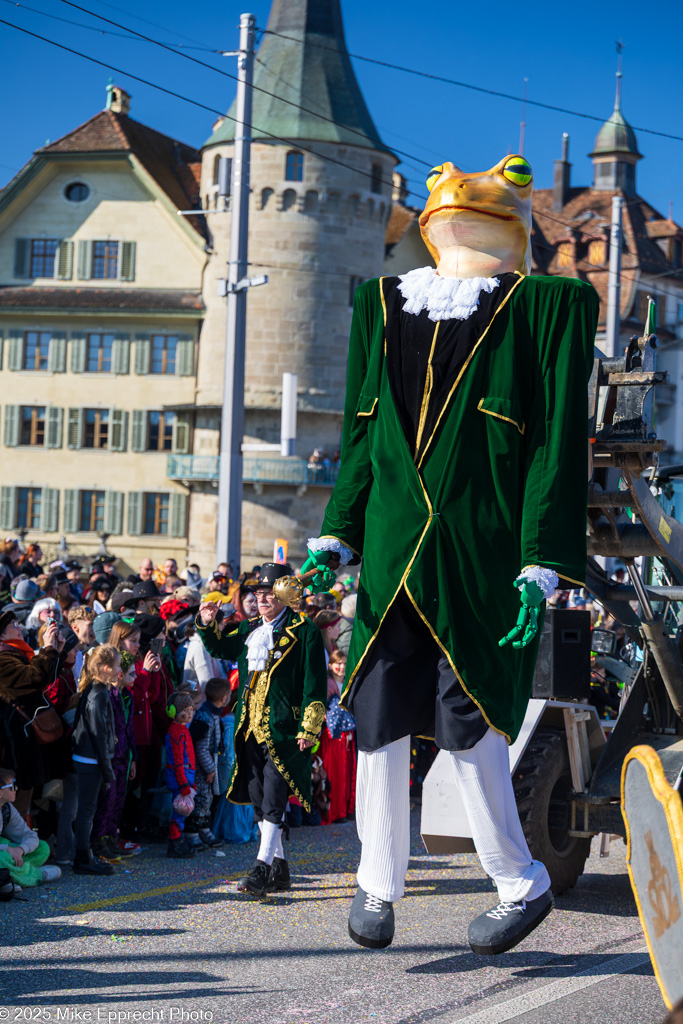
556,990
130,897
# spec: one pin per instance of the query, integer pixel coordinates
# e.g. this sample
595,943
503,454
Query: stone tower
320,201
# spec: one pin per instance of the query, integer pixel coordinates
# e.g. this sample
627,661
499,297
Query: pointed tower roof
616,135
303,60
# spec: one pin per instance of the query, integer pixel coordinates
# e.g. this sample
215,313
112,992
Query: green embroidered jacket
501,483
295,699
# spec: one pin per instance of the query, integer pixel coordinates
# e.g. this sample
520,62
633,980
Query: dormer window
597,251
294,167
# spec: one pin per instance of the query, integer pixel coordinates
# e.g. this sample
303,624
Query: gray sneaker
504,926
371,920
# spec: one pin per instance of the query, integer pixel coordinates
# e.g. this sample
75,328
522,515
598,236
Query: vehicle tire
542,784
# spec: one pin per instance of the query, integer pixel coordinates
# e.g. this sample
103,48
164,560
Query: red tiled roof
122,300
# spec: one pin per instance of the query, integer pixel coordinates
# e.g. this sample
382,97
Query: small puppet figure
463,489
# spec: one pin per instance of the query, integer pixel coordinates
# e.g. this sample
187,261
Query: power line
186,99
226,74
468,85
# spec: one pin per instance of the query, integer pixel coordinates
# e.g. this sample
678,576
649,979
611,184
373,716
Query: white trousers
483,777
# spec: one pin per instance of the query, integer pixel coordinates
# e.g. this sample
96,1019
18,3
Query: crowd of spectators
98,673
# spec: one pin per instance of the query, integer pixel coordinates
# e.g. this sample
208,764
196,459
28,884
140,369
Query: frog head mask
479,224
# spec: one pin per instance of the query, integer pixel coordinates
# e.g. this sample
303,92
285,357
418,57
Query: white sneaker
50,873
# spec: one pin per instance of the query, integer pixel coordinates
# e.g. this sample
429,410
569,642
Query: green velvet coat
501,484
295,701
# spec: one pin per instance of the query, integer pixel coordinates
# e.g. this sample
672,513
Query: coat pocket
503,409
367,406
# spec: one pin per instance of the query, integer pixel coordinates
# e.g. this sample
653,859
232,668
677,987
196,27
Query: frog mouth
469,209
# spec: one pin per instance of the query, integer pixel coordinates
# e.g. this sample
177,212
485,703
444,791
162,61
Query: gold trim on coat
368,413
330,536
499,416
429,381
467,363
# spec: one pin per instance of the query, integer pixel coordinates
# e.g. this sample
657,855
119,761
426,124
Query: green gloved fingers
531,594
526,626
315,560
530,631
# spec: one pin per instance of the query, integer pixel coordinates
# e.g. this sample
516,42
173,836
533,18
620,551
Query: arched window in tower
216,168
266,193
311,202
382,213
288,199
294,166
333,202
376,179
370,209
352,205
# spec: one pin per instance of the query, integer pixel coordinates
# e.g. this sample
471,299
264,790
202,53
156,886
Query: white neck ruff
444,298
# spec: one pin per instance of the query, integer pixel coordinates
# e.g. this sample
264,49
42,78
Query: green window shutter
74,430
2,349
185,355
178,517
118,429
135,513
121,354
78,347
84,272
53,433
8,508
49,510
56,356
181,434
11,426
64,263
127,261
139,438
143,352
70,524
22,251
113,512
15,360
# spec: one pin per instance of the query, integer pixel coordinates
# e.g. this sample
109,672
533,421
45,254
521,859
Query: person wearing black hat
279,714
73,572
146,597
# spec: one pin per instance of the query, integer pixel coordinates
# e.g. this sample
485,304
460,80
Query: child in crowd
180,767
338,746
207,738
21,851
94,742
105,831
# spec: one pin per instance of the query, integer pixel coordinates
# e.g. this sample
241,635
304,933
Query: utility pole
614,281
229,530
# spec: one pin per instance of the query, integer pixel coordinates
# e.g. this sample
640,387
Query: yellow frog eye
518,171
434,176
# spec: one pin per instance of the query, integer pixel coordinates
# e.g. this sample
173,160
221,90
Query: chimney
118,100
561,177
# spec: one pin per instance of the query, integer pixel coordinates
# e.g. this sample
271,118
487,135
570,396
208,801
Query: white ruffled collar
445,298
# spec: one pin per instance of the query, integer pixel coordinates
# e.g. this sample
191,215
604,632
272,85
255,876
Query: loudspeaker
564,655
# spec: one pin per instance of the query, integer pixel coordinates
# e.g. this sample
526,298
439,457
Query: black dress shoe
258,881
279,875
504,926
178,849
371,920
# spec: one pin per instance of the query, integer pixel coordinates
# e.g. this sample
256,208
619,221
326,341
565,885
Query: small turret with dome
615,153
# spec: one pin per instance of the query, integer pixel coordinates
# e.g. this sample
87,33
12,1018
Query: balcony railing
263,471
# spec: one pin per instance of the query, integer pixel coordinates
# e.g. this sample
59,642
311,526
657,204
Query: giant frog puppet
463,489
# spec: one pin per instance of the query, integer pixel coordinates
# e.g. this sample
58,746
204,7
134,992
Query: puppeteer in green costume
462,487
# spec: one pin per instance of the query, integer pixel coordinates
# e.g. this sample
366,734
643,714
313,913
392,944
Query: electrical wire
234,78
196,103
467,85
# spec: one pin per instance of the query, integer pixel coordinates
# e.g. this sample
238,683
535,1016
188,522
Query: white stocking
270,833
383,819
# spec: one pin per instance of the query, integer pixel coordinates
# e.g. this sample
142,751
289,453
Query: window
76,192
597,251
43,257
155,512
105,260
32,424
91,512
28,507
164,348
564,254
95,428
159,432
294,167
36,345
99,353
376,179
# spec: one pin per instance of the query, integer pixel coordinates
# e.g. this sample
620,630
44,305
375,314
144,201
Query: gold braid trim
312,721
279,764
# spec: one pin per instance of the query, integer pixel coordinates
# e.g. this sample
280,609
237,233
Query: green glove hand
324,579
526,626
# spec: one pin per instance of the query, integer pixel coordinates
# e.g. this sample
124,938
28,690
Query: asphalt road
173,941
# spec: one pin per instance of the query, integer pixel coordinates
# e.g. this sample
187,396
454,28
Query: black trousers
90,779
268,791
408,688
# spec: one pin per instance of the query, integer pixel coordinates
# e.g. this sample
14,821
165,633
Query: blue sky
566,51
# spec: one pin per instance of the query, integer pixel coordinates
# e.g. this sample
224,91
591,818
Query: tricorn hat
270,572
